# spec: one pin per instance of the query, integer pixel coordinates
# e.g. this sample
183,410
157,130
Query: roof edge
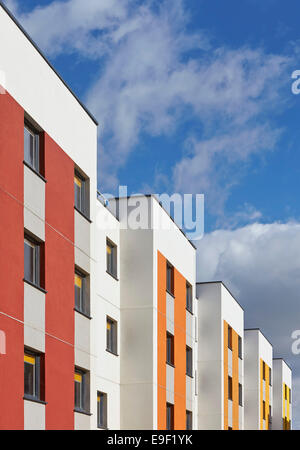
227,289
162,207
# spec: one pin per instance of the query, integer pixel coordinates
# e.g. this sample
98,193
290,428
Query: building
101,326
158,311
258,381
282,395
220,359
47,237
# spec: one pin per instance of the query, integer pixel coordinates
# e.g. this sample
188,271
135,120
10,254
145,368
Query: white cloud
154,75
260,263
74,25
215,165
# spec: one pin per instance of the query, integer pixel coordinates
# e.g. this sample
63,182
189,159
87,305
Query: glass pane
29,149
109,253
108,337
29,261
29,379
77,195
78,400
79,292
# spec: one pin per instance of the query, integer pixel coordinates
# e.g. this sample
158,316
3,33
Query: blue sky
195,97
267,180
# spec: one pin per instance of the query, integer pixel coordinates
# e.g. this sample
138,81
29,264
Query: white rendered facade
258,381
141,337
217,309
282,395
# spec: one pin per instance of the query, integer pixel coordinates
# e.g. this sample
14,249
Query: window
31,261
33,375
285,392
80,390
270,416
111,336
240,394
270,376
170,278
111,258
81,297
264,410
189,420
229,388
102,410
81,187
189,297
31,147
170,416
290,396
189,361
264,370
240,348
170,349
229,337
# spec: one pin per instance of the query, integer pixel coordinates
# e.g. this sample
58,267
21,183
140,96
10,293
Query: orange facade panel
179,346
235,377
180,351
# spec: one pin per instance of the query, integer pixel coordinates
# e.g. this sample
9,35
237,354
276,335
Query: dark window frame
35,133
229,387
189,361
170,278
270,376
240,394
170,350
84,197
36,270
189,420
229,337
112,258
82,407
170,416
103,401
37,384
264,371
84,306
264,410
112,335
189,297
240,347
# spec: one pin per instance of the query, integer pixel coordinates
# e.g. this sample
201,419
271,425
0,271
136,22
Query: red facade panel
11,263
59,273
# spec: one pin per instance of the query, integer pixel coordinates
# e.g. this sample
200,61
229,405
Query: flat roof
259,330
284,361
46,60
221,282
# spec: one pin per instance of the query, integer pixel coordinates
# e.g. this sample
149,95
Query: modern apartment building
282,395
220,359
102,324
258,381
158,319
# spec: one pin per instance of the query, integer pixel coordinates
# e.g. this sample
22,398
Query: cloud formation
154,75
